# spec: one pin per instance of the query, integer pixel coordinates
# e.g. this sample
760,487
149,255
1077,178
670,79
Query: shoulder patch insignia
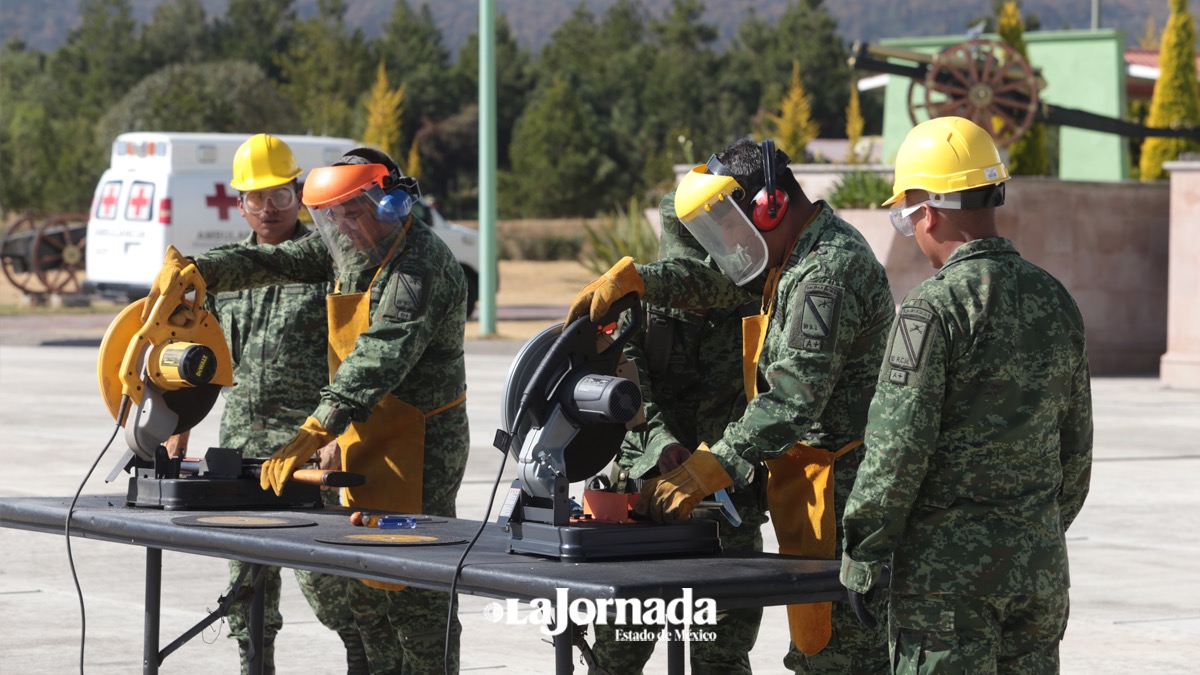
407,297
814,325
910,338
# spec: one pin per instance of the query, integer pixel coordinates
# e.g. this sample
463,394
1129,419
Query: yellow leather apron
799,490
389,448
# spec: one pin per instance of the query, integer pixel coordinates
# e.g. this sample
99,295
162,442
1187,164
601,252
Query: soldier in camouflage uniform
689,366
275,334
980,434
826,328
408,355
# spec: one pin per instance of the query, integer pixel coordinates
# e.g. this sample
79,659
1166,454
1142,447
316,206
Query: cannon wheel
17,269
58,260
985,81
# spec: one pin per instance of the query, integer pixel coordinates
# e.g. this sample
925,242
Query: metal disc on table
389,539
242,521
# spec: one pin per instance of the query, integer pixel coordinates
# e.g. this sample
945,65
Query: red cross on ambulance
141,195
108,200
221,201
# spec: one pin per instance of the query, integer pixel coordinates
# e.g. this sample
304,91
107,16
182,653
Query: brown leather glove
599,296
173,264
279,468
674,495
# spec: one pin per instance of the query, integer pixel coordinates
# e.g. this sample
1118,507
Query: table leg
257,605
153,605
675,647
563,663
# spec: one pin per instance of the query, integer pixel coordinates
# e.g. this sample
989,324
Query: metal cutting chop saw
161,377
565,408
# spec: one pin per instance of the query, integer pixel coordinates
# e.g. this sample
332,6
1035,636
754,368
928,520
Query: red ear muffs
763,207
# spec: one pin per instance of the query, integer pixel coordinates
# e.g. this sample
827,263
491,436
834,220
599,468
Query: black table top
732,579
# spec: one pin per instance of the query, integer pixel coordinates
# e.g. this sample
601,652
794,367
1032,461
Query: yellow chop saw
159,377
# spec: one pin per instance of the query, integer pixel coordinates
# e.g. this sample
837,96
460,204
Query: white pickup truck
166,188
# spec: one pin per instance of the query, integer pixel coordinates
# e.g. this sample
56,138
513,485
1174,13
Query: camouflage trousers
327,594
853,648
736,630
404,632
949,633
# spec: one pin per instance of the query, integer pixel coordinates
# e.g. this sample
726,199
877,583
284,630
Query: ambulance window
140,203
206,154
106,205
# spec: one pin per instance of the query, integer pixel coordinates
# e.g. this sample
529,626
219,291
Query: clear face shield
360,231
707,206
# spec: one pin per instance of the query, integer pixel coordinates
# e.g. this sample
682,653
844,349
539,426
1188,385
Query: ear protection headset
771,203
399,190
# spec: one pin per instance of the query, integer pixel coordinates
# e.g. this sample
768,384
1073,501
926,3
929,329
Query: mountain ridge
44,26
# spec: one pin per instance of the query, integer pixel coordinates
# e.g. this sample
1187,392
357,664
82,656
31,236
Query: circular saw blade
526,362
594,446
190,404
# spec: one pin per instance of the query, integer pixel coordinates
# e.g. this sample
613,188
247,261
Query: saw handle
566,341
334,479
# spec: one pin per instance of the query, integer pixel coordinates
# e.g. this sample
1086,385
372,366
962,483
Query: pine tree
385,112
1027,154
558,169
1175,101
412,167
794,125
854,127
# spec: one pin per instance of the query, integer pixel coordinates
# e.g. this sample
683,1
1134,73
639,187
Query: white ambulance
165,188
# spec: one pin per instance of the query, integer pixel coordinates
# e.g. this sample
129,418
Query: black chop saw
566,408
160,377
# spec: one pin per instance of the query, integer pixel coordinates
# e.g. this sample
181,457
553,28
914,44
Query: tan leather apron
799,490
389,448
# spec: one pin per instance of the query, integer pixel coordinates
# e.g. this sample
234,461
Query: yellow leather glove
173,264
597,297
675,494
279,468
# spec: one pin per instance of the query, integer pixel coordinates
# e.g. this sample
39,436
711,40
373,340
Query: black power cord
67,531
458,567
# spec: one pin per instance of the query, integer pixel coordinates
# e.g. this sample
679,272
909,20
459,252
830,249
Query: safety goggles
281,198
901,217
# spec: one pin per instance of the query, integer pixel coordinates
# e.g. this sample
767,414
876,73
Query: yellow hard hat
946,154
262,162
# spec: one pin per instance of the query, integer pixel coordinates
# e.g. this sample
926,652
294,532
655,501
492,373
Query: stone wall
1107,243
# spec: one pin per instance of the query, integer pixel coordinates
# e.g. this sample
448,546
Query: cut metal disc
242,521
390,539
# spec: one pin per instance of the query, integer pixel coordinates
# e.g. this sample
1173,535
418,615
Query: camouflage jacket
820,359
276,335
980,435
414,346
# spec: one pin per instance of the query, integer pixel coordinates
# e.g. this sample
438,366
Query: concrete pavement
1134,548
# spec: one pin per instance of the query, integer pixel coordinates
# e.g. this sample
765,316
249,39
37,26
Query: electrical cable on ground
486,516
67,532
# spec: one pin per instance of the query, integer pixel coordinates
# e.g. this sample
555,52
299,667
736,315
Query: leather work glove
858,603
279,468
599,296
173,264
674,495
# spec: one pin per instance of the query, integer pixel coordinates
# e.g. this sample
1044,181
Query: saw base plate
602,541
198,494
